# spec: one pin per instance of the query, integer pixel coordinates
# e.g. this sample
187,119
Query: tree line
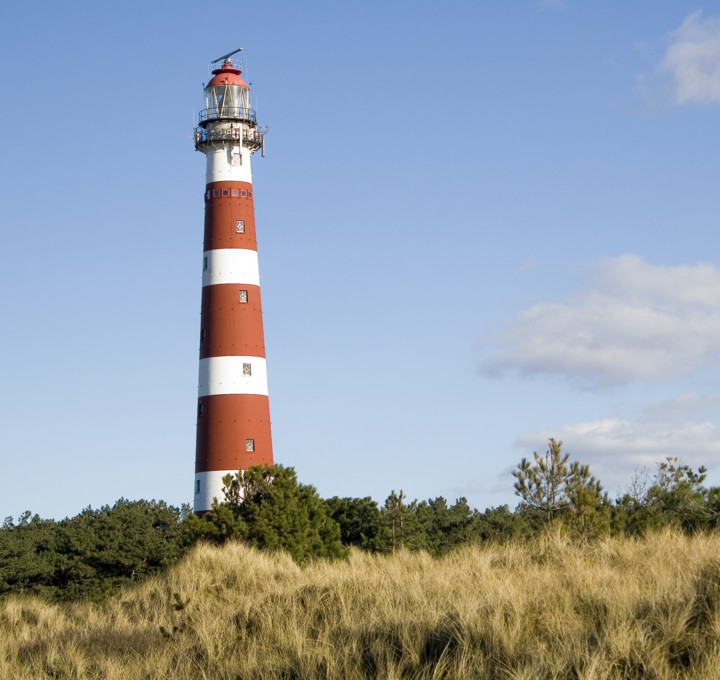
97,552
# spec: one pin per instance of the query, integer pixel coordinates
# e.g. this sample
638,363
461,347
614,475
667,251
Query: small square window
205,263
243,192
207,195
243,296
239,226
216,193
249,193
226,192
234,192
197,486
249,444
247,369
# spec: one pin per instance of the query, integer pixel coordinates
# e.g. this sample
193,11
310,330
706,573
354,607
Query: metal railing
251,138
230,112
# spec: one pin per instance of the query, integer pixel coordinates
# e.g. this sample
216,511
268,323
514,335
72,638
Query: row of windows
221,193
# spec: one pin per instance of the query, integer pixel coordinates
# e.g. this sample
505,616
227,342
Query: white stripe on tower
210,487
230,265
224,166
232,375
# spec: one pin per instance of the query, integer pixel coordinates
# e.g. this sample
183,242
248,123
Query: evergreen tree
558,490
543,485
589,509
359,521
673,496
501,524
445,527
401,526
28,555
89,555
267,507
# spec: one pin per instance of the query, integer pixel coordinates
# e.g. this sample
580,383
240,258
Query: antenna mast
226,56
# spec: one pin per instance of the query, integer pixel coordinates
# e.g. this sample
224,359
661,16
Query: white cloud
632,320
615,447
691,67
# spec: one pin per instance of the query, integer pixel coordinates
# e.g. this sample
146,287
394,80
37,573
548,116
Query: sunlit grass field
547,608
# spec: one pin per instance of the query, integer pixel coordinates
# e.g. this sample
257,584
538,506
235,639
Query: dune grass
548,608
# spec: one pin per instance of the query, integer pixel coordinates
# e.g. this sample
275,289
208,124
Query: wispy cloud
475,488
528,264
615,447
558,5
631,321
690,70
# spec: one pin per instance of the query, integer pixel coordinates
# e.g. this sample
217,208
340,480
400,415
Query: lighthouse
233,413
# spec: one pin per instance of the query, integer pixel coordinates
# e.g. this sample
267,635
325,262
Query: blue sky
481,224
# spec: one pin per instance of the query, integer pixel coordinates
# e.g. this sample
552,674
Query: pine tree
558,489
268,508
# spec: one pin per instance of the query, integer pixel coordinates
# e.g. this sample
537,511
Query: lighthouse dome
227,75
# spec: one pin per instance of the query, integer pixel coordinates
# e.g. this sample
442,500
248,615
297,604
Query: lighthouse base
208,486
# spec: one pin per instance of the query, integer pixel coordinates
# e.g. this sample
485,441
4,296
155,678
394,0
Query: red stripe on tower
233,422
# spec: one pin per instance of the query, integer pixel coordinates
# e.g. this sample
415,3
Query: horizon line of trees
97,552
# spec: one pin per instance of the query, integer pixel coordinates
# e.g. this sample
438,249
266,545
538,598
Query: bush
266,507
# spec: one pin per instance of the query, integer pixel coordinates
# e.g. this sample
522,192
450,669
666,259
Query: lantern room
227,96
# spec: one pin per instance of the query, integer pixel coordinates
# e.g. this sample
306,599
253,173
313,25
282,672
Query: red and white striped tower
233,423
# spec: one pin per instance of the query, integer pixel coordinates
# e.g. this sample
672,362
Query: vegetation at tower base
98,552
548,607
268,508
90,555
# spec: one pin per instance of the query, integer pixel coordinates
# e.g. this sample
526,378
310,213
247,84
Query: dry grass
620,608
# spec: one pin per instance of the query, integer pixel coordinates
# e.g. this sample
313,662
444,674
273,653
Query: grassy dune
620,608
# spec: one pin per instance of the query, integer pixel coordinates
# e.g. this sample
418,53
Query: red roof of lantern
227,75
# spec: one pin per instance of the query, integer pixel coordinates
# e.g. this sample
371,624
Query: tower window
197,486
216,193
203,335
247,369
205,263
201,408
243,296
207,194
225,192
249,444
249,193
233,192
239,226
243,193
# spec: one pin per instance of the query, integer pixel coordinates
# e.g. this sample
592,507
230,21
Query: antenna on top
226,56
